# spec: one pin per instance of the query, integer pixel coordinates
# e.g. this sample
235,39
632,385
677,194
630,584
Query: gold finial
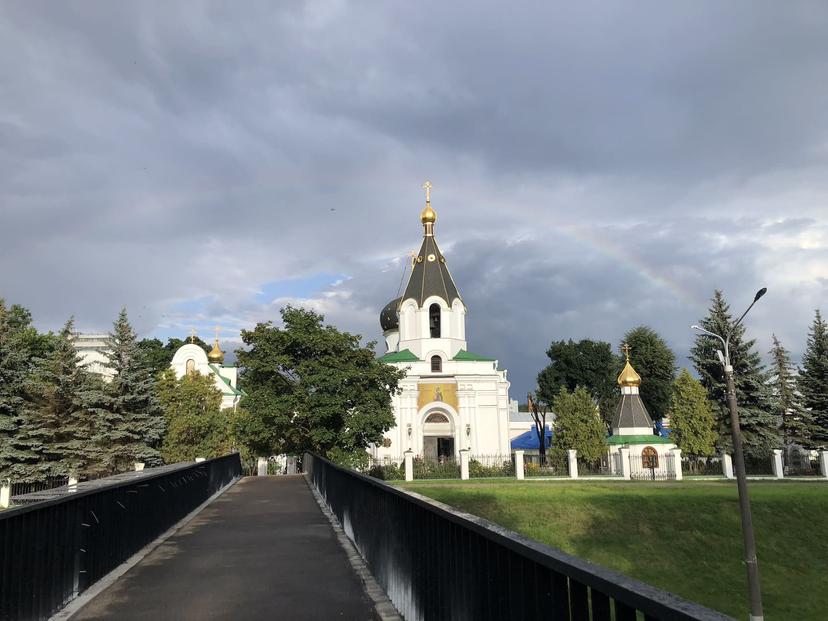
216,356
628,376
192,335
427,216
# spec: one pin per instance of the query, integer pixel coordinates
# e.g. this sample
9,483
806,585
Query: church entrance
438,449
438,437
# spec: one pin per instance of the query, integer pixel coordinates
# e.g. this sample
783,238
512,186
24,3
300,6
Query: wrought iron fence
489,466
31,487
440,468
798,463
699,465
438,563
556,465
759,465
606,466
664,469
65,539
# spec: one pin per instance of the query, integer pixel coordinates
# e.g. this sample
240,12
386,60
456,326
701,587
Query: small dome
215,355
389,317
428,215
628,376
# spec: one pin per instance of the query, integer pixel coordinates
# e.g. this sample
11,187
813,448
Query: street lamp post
751,562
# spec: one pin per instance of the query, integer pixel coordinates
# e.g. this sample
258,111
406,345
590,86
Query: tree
538,412
578,424
135,427
692,423
159,356
587,363
196,424
813,379
797,422
760,427
313,388
656,363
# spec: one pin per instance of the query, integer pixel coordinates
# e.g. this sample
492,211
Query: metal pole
751,561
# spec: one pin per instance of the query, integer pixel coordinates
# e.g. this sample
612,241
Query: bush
388,472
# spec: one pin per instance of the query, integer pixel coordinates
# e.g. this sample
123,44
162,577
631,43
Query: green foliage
312,388
477,470
797,422
158,356
760,427
196,424
354,459
692,422
135,425
813,379
578,425
436,469
655,362
388,472
587,363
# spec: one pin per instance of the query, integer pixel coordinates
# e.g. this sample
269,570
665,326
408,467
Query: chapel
191,358
450,399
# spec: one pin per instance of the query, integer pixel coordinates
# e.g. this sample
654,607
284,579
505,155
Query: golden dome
428,216
216,356
628,376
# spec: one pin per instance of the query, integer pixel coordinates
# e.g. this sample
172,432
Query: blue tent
528,440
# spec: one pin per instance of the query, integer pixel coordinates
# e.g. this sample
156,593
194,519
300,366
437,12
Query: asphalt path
262,550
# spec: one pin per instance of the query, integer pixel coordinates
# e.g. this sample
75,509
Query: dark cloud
596,166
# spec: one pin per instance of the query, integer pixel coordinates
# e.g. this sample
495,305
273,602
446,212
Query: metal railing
438,563
662,469
63,540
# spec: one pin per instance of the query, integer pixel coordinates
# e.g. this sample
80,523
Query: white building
191,358
91,348
450,399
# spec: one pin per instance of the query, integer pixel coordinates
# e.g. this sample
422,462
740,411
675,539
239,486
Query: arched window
190,366
649,458
437,417
436,364
434,320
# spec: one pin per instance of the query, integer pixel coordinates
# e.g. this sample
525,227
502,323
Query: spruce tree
813,379
760,427
797,422
691,417
656,363
135,425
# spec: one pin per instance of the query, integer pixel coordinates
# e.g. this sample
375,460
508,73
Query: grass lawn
683,537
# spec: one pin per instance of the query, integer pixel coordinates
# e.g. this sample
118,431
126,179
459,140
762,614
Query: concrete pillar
519,465
200,459
727,466
261,467
464,464
625,462
139,465
5,494
778,470
409,466
572,455
823,463
677,463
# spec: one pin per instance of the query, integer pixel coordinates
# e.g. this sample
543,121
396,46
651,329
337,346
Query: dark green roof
465,355
230,390
638,440
399,356
430,277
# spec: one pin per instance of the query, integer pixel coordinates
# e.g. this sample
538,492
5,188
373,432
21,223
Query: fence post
519,465
677,463
261,467
139,465
464,464
200,459
778,471
625,462
409,466
73,481
727,466
5,494
572,456
823,463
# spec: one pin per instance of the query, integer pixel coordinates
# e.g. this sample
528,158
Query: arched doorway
438,436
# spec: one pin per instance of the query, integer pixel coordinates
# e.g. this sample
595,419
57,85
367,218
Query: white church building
191,358
450,399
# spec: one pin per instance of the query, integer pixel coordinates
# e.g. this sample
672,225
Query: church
451,399
191,358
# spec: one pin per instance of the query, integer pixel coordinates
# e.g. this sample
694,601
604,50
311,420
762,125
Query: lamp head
760,293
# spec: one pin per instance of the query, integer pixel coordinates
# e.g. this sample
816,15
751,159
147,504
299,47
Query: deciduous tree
692,423
578,424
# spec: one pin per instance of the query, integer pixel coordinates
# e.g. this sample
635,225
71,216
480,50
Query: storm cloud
596,166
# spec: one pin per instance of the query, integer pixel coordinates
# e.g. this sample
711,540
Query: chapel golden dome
215,355
628,376
428,215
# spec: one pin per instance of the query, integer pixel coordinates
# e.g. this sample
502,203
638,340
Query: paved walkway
262,550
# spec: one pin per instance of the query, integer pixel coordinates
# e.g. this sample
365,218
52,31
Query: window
649,458
437,417
436,364
434,320
190,366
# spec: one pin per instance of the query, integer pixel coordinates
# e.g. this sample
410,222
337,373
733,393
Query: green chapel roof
399,356
640,439
468,356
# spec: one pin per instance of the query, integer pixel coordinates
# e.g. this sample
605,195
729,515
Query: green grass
682,537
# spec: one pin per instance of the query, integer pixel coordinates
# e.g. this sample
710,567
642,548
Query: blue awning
528,440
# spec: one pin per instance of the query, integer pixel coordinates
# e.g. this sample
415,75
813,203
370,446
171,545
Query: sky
596,165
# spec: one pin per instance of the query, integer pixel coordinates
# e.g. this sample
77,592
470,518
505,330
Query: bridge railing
438,563
56,545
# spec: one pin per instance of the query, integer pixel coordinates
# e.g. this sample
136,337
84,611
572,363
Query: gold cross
427,187
192,335
626,349
217,332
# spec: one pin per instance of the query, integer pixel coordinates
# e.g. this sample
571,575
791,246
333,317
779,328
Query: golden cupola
215,355
628,376
428,216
